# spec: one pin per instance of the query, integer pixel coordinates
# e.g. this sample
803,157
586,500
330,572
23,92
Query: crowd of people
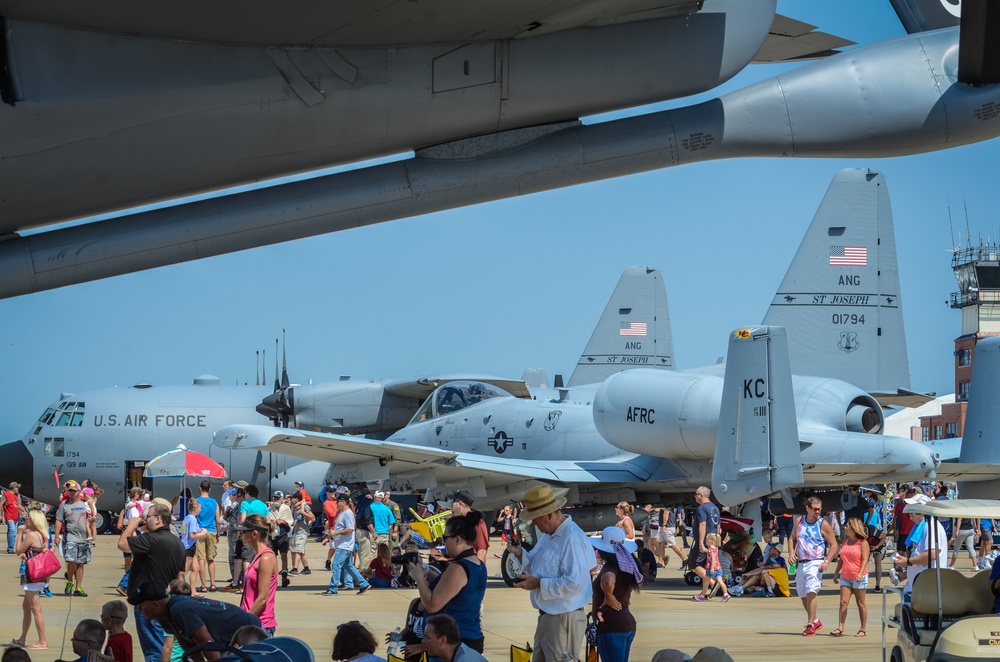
581,586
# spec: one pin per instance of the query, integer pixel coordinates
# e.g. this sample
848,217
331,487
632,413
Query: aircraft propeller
278,406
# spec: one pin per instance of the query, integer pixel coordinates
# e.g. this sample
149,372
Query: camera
408,557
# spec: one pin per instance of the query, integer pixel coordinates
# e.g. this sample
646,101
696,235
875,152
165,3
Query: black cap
151,590
463,496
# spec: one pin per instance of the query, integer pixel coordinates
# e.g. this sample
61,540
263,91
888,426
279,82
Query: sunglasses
816,510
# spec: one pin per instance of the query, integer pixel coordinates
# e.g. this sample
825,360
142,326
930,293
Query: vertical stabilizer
633,332
923,15
839,300
981,437
757,445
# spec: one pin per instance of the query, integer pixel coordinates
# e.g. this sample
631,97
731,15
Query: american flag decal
632,329
848,256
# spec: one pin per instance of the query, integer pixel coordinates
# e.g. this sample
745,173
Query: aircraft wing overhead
400,458
423,387
791,40
341,24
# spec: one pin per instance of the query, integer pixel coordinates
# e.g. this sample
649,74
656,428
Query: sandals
38,647
212,588
861,633
14,643
837,633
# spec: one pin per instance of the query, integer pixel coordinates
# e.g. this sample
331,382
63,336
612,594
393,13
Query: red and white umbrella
181,462
733,523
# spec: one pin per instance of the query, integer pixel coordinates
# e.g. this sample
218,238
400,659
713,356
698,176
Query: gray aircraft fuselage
490,106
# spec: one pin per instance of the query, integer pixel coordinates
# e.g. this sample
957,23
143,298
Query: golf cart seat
960,596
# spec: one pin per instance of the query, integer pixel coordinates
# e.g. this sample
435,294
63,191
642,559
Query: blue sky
500,287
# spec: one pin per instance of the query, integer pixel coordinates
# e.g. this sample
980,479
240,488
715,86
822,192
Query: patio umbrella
733,523
181,462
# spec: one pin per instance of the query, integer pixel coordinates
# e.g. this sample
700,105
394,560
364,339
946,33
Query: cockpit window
456,396
66,414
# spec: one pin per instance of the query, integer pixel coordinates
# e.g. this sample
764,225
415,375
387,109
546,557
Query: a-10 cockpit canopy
456,396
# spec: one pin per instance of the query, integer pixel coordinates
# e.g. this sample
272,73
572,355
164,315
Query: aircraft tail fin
757,447
633,332
840,300
923,15
981,438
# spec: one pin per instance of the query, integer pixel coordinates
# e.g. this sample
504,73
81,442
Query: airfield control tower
977,270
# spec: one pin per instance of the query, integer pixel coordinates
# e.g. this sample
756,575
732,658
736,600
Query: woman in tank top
852,573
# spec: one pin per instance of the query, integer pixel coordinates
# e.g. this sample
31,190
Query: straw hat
541,501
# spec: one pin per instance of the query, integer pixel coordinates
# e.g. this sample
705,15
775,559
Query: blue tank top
465,607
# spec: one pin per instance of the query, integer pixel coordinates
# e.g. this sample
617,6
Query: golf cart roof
956,508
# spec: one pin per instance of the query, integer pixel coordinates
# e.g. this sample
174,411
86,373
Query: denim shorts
854,583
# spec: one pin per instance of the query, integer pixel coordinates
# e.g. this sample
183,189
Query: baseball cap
300,483
247,526
463,496
918,499
342,497
379,494
151,590
72,485
278,494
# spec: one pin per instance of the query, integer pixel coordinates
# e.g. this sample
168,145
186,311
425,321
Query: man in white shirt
930,546
557,573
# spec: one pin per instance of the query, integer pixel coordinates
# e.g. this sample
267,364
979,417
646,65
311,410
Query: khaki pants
557,635
366,548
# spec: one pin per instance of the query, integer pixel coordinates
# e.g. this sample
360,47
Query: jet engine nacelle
676,415
663,414
831,403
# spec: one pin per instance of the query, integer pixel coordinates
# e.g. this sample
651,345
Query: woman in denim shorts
852,573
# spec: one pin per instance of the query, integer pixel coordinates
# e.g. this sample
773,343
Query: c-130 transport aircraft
143,103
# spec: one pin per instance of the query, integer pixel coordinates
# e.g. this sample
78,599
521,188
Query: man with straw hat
557,573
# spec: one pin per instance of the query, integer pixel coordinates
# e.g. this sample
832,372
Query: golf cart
949,616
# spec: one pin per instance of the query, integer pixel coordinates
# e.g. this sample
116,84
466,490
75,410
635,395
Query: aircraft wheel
692,578
103,522
897,655
510,567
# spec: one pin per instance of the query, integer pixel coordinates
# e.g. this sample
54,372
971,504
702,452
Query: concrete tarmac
747,628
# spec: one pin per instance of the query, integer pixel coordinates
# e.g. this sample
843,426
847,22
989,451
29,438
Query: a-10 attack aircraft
144,102
645,434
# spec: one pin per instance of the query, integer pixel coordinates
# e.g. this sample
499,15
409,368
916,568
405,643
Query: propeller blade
284,362
277,385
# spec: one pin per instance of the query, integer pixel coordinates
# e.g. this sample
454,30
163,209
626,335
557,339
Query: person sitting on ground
647,561
246,635
379,572
354,642
771,578
441,641
113,616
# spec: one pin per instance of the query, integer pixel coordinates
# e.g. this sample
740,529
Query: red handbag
41,566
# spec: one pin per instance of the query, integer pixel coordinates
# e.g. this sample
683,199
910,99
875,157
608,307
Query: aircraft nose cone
17,465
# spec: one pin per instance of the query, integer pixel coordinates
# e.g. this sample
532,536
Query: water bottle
393,648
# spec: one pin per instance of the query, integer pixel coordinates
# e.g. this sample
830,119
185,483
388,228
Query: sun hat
609,536
541,501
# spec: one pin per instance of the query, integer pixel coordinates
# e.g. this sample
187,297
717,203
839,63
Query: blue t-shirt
708,513
206,518
382,517
253,506
776,561
190,526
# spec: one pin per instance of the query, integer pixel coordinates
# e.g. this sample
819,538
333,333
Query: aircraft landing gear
510,567
103,522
